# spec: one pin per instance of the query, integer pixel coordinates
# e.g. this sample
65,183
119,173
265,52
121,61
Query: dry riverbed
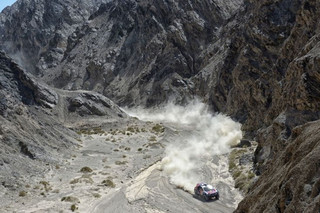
117,168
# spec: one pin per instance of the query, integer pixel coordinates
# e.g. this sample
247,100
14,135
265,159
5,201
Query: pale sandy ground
131,160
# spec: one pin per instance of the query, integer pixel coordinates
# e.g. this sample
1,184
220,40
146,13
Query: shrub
86,169
108,183
130,129
121,162
153,138
236,174
241,181
158,128
232,165
251,175
96,195
70,199
46,185
73,207
83,179
22,193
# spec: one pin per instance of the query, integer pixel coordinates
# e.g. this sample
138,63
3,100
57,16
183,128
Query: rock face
291,181
29,135
255,60
33,31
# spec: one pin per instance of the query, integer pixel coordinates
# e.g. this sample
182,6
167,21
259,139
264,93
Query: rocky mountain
36,30
130,51
256,61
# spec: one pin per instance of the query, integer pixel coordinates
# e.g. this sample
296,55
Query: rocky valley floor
117,168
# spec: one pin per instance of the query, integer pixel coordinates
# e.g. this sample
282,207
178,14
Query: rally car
206,191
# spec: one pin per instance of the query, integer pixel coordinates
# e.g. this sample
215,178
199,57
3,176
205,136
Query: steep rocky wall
33,31
142,52
291,182
30,136
279,93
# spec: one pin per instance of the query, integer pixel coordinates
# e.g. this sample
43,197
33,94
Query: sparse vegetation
155,145
83,179
153,138
46,185
73,207
94,131
240,181
236,174
121,162
140,149
158,129
251,175
86,169
70,199
243,177
131,129
22,193
232,165
96,195
109,183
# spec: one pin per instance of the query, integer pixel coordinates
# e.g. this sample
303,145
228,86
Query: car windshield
208,188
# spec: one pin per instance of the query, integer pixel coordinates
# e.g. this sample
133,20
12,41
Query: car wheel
217,197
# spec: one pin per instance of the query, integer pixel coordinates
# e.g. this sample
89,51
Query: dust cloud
205,135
